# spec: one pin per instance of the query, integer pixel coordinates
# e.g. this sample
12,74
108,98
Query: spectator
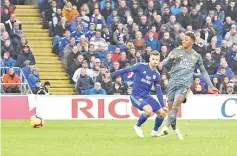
115,67
108,62
212,28
97,19
139,41
220,12
215,82
230,89
77,63
147,53
33,79
98,41
20,46
5,16
107,35
197,87
223,86
163,71
101,75
70,12
107,85
224,47
26,54
167,41
120,36
229,72
78,21
166,15
97,90
206,34
231,11
84,82
116,54
163,53
2,28
8,6
16,34
123,60
210,64
77,73
9,23
9,48
110,18
138,58
83,45
106,8
144,25
227,25
199,47
78,34
43,90
153,42
176,8
72,57
91,32
119,87
221,74
216,55
90,53
183,18
231,36
27,68
7,61
196,20
11,82
85,20
64,41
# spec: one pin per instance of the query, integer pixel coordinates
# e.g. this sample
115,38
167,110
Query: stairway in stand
40,44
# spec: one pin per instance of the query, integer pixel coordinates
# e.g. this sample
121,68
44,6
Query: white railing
24,86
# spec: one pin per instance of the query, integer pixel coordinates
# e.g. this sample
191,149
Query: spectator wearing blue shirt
110,18
77,22
33,78
63,42
176,9
27,69
89,34
97,90
103,4
77,34
153,42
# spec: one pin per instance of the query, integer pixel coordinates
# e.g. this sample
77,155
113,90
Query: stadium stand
71,40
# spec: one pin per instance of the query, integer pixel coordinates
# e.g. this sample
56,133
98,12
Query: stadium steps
40,43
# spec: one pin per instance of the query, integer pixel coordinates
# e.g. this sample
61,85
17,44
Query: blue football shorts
140,102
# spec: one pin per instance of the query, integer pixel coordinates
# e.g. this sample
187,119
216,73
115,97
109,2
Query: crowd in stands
96,37
15,52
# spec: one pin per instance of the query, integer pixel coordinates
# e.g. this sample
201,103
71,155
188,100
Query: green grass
116,138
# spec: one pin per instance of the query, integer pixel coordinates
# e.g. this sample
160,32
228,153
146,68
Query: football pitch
116,138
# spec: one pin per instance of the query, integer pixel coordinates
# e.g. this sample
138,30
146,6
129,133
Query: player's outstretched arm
133,68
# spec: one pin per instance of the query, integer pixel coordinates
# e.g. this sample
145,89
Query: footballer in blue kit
145,76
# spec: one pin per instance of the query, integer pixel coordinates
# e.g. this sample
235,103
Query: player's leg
174,123
156,107
180,96
142,105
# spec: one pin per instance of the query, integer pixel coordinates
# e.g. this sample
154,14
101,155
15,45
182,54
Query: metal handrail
24,83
